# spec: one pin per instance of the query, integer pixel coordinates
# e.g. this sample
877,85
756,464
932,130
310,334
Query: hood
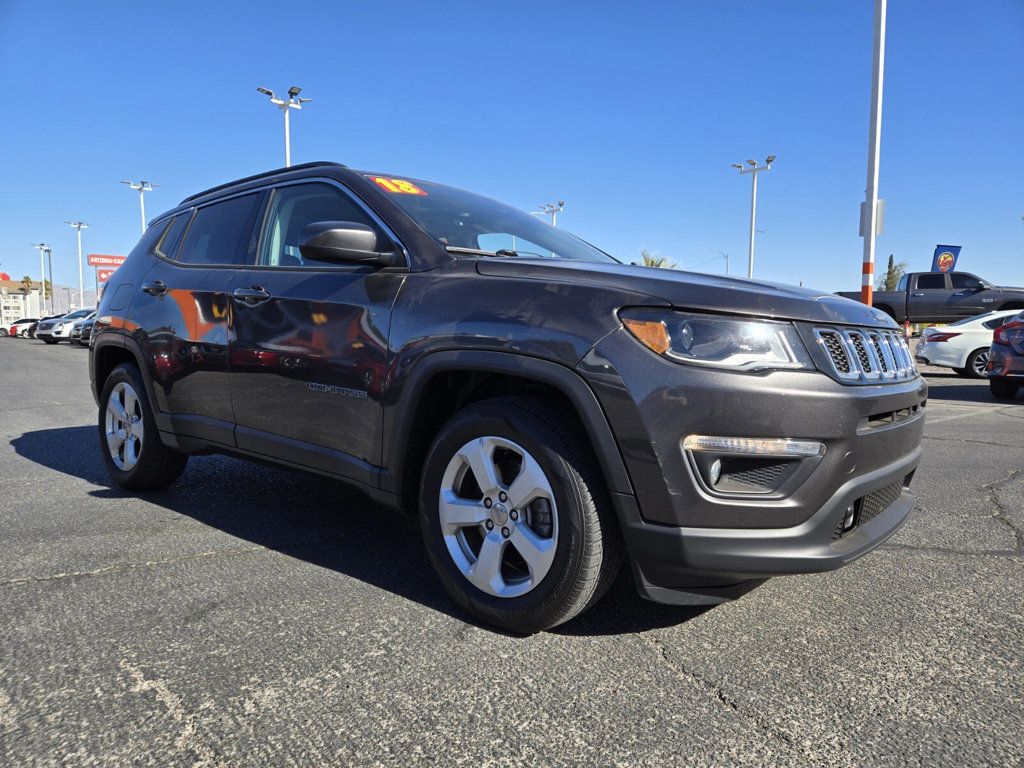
694,290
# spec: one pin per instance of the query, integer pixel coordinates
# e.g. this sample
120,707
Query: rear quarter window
221,233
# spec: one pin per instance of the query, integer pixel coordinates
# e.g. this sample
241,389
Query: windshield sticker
398,186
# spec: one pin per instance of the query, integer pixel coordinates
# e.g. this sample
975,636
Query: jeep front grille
866,355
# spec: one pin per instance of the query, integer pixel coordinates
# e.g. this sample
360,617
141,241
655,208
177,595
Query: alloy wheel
498,516
979,363
123,426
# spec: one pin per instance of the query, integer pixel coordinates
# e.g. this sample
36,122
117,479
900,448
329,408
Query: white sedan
963,345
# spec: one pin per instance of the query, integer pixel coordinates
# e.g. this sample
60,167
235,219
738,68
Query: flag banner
945,258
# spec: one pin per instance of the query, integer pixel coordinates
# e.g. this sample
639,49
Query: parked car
1006,359
547,410
54,330
75,337
85,334
942,297
32,328
21,328
963,345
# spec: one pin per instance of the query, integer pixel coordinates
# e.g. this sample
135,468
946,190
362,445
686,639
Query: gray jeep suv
544,409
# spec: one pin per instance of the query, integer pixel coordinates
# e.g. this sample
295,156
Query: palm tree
650,259
26,285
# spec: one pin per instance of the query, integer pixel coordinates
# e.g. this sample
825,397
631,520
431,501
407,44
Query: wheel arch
1011,305
441,383
108,351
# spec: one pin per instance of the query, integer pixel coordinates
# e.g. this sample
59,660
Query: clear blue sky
631,112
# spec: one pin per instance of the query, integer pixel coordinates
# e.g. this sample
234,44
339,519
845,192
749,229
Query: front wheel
1003,389
515,516
135,456
49,341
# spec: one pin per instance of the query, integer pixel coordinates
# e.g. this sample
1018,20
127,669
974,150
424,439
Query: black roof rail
315,164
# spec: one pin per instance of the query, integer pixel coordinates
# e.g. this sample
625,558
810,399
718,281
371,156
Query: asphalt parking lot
254,616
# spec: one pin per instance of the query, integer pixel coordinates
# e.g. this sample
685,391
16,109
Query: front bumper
53,332
680,536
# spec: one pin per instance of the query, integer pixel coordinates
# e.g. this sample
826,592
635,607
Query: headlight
720,342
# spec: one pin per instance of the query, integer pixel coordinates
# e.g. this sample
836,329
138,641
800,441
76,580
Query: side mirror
347,242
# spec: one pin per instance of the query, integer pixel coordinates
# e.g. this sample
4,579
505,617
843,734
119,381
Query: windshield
971,319
460,219
78,313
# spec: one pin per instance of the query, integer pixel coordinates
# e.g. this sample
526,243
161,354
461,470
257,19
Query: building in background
15,304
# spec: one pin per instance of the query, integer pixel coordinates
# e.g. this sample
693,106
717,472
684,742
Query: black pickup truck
941,297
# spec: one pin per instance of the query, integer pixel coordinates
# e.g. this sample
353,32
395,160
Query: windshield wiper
478,252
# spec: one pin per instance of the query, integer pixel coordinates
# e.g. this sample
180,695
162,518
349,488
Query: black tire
589,549
158,465
1003,389
961,372
973,359
49,341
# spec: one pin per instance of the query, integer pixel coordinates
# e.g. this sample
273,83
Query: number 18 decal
398,186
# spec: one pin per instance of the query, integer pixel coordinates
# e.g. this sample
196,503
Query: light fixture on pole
753,170
43,248
293,102
143,187
550,209
78,226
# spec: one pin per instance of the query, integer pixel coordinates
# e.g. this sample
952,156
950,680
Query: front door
927,300
970,296
310,342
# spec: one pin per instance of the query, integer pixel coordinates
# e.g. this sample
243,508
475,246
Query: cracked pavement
255,616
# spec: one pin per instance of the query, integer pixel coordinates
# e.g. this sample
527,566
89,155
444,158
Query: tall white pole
753,222
81,278
42,283
287,138
142,206
874,152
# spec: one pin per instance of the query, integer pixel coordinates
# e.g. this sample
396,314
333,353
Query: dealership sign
102,275
103,260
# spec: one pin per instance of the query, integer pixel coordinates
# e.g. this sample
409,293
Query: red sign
102,275
102,260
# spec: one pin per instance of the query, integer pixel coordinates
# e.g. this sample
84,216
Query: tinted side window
931,281
168,242
996,322
294,207
149,239
961,281
904,281
221,233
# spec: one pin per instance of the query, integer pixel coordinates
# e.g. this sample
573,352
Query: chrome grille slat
866,354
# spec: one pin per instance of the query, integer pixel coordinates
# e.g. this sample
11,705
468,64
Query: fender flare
125,342
397,423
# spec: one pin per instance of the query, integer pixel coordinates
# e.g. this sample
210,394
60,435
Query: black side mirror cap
346,242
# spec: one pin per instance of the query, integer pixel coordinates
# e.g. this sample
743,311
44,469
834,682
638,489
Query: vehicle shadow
320,521
948,387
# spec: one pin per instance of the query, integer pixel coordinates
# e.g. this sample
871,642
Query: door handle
155,288
253,295
917,294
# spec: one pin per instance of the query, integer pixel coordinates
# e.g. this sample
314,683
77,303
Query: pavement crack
188,739
231,552
723,698
965,440
1001,513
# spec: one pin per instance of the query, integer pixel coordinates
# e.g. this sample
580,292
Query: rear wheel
135,456
976,362
1003,389
515,515
49,341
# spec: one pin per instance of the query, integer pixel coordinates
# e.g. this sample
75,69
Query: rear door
927,300
181,314
310,340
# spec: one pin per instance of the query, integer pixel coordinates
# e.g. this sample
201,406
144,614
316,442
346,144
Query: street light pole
43,248
286,106
552,210
53,297
870,218
78,226
143,187
753,170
